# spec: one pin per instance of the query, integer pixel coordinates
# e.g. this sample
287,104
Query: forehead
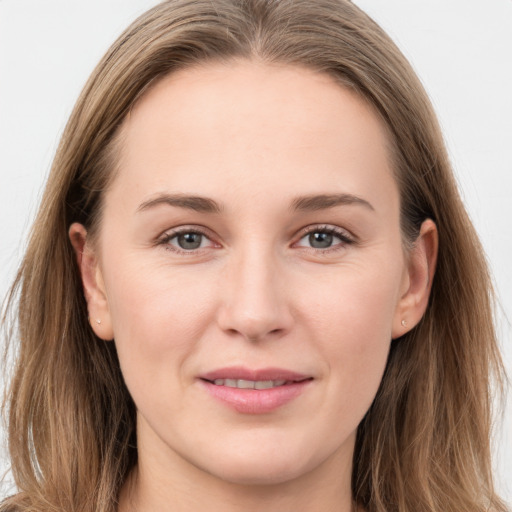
269,128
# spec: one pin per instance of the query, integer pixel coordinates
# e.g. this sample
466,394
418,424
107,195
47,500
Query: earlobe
419,275
92,280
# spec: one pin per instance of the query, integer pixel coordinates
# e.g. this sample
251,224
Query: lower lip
256,401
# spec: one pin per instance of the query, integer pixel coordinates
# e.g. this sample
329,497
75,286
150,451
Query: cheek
358,301
158,316
352,321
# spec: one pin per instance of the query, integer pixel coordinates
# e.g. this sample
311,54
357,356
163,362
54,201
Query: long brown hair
424,445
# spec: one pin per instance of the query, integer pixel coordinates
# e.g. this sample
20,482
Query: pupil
320,240
190,240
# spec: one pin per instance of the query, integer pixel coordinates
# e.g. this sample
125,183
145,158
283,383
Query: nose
254,294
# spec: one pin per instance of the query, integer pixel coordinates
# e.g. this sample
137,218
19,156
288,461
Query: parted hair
423,446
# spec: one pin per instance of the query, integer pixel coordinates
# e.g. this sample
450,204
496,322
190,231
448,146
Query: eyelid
168,235
344,235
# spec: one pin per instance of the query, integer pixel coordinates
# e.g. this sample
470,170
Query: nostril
255,319
272,333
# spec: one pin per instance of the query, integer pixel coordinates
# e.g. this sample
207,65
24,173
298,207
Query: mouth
255,391
254,384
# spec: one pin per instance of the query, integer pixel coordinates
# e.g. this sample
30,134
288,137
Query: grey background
461,50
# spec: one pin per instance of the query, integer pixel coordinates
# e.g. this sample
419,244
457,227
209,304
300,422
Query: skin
256,293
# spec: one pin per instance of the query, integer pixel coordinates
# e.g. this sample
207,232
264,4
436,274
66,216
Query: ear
417,280
92,280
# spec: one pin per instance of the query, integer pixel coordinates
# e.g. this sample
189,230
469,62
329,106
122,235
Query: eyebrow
195,203
325,201
207,205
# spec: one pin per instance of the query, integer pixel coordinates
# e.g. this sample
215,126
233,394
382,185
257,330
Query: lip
255,401
240,372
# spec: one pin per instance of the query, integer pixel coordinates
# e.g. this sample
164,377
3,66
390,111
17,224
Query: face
250,239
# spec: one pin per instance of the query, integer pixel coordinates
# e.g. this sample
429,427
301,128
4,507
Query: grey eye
320,239
189,241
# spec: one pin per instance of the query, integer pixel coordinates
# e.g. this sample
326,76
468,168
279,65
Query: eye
186,240
324,238
320,240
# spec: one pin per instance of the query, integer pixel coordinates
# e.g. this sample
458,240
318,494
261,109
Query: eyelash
167,237
343,235
339,233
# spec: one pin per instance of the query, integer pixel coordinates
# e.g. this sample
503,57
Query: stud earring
404,323
98,321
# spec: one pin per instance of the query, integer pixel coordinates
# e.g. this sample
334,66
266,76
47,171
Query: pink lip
255,401
239,372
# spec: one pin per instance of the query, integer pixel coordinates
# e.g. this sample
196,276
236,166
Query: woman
252,284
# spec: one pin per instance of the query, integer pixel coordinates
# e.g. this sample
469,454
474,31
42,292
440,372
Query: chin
260,469
261,475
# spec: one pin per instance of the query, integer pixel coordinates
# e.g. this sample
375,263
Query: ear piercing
404,323
98,321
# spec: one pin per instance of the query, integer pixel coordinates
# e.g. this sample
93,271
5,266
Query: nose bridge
255,303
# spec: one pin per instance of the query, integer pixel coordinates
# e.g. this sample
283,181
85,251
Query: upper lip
263,374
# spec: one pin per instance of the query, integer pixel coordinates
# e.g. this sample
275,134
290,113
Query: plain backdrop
461,49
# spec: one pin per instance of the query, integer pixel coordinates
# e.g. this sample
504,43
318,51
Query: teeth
266,384
249,384
245,384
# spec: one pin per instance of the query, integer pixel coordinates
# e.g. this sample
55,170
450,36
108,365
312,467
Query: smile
255,391
250,384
